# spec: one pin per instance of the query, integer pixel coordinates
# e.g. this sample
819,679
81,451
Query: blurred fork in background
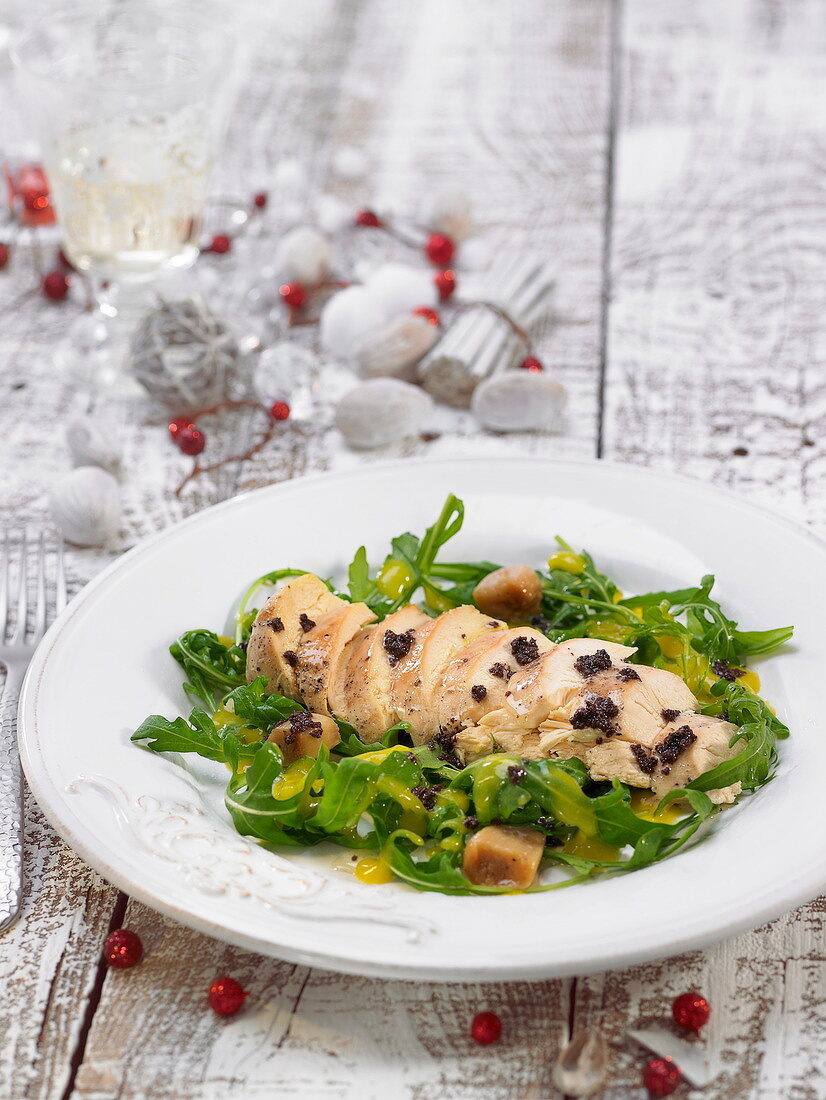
23,622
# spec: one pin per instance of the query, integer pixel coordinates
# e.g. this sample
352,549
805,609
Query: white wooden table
669,158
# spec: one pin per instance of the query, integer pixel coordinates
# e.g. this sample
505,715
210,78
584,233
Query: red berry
55,285
293,294
178,425
35,201
439,249
532,364
690,1011
445,283
369,219
190,439
486,1028
260,200
122,949
661,1077
220,243
430,315
280,410
4,255
226,996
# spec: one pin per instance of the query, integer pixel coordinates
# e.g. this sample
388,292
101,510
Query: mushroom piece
503,855
513,593
303,734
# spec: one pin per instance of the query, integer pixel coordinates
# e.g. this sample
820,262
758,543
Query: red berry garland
369,219
280,410
293,294
4,255
445,283
661,1077
226,996
532,364
220,243
439,249
260,200
486,1028
430,315
122,949
55,285
691,1011
178,425
191,440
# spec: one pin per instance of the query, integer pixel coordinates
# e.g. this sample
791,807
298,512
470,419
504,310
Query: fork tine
40,590
4,584
22,592
60,580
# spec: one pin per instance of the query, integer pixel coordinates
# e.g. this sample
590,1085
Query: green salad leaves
407,811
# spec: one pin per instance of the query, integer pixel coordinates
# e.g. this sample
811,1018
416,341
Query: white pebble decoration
396,348
85,505
93,443
381,411
400,288
449,211
348,318
519,401
303,256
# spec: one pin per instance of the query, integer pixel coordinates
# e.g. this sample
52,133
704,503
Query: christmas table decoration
122,949
381,411
85,506
519,401
92,442
582,1065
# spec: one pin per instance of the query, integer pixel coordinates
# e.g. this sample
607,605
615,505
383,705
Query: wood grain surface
669,159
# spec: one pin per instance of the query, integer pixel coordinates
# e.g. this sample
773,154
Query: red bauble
55,285
280,410
486,1028
445,283
4,255
532,364
690,1011
220,243
122,949
661,1077
190,439
260,199
439,249
430,315
36,201
293,294
369,219
226,996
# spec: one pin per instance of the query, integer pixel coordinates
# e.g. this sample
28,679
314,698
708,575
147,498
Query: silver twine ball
183,355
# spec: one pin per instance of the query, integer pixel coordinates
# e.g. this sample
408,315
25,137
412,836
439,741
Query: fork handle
11,806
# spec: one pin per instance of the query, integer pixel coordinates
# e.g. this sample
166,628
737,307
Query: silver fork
18,641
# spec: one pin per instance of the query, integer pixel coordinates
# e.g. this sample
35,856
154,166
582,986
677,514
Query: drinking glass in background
125,100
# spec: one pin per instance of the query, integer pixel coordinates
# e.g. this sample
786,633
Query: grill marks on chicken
488,688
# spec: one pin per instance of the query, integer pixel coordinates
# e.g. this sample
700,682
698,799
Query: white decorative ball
85,505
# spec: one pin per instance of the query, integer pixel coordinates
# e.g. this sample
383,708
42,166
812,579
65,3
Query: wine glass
125,100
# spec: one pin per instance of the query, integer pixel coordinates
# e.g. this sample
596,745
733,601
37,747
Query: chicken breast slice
688,747
476,679
360,686
320,651
279,628
417,677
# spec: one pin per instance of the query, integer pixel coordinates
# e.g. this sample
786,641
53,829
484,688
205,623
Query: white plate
160,832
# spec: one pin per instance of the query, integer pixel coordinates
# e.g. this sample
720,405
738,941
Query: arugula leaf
258,708
360,584
212,666
199,735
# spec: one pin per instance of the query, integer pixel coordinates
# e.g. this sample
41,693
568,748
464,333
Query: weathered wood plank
715,346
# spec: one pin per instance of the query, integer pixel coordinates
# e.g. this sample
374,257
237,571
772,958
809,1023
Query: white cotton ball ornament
350,163
92,443
303,256
399,288
85,505
381,411
347,320
449,211
519,401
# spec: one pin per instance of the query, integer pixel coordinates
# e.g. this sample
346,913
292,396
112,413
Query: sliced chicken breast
360,687
280,626
320,651
417,677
